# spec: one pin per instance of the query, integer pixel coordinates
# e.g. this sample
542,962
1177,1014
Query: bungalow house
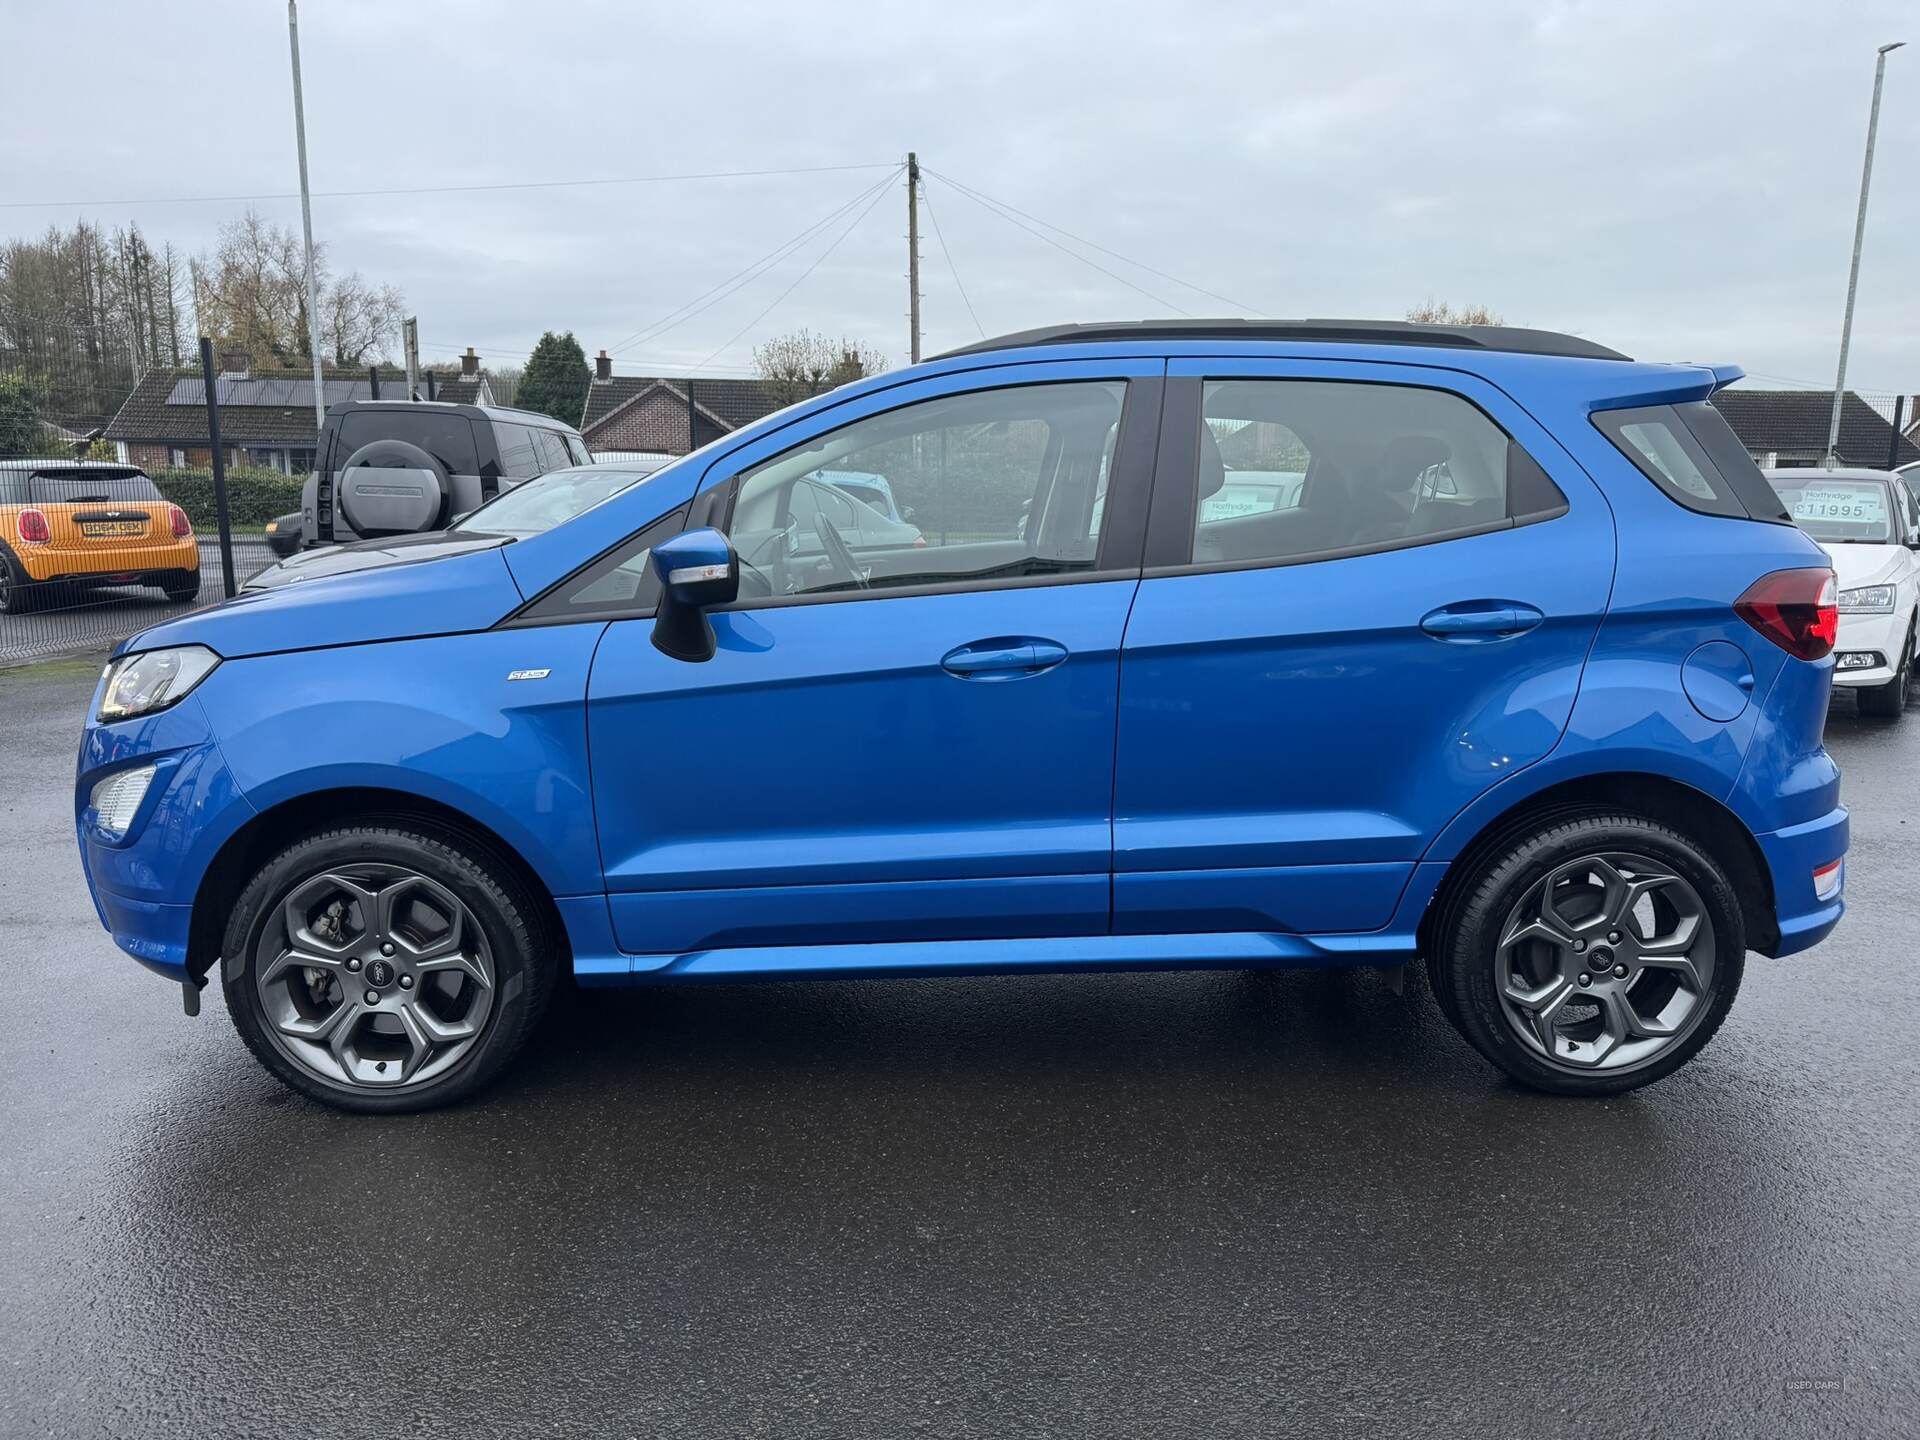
1789,428
266,416
636,416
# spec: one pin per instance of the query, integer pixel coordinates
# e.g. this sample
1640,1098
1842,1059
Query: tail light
32,527
182,527
1798,610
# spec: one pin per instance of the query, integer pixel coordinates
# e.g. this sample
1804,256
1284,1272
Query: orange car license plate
101,529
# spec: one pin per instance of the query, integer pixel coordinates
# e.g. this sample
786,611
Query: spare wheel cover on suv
391,487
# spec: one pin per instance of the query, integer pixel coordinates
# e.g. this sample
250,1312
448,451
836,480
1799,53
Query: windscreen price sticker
1865,505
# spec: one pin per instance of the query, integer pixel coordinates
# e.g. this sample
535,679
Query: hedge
254,495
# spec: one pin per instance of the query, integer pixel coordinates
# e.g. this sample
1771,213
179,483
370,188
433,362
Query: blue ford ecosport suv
1525,677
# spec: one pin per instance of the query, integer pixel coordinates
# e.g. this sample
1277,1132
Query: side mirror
697,570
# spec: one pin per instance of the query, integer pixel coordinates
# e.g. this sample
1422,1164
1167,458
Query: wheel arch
1660,798
272,830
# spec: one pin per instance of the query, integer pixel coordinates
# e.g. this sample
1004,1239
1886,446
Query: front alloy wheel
374,975
387,967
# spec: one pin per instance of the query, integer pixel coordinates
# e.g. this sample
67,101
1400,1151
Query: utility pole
410,337
913,256
306,221
1853,274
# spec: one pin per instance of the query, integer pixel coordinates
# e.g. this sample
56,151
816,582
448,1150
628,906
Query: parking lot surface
1183,1204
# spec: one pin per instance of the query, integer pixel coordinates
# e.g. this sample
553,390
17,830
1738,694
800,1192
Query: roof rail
1511,338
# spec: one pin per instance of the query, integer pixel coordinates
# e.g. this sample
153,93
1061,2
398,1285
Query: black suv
398,467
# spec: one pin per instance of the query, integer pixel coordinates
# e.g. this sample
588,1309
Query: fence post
219,464
1899,416
373,379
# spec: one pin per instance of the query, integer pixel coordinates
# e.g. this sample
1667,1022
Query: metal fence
94,544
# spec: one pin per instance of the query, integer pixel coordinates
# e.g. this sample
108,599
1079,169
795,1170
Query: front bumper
1807,911
1880,636
143,882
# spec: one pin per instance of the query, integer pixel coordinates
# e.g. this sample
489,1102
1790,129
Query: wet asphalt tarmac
1202,1204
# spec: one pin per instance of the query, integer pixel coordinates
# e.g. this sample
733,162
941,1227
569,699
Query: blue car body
1181,765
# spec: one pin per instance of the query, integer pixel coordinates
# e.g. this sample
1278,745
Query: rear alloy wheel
380,969
1888,701
1594,957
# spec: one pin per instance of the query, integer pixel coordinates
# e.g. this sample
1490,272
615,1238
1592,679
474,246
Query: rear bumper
56,562
1806,916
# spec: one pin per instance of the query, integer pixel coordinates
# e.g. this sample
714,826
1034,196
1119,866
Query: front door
907,732
1368,596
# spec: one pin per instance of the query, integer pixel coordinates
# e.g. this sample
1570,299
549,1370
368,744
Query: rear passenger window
551,450
1302,469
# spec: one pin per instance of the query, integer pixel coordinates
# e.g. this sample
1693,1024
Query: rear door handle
1480,620
1004,658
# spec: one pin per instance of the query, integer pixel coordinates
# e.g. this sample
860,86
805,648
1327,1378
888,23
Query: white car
1869,522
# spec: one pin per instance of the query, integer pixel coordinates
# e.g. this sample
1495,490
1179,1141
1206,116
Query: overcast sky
1677,180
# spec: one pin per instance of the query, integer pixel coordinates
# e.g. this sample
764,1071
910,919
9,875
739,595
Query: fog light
1826,880
117,798
1860,659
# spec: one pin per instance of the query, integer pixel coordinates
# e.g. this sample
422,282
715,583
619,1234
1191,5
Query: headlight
1867,600
149,682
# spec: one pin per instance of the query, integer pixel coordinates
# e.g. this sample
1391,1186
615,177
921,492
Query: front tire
1591,957
1889,701
386,967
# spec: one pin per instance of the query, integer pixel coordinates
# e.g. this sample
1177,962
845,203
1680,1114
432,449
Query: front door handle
1478,620
1008,657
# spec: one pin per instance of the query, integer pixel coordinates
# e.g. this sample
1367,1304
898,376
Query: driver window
993,484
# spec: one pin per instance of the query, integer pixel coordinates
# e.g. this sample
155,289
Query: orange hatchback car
66,525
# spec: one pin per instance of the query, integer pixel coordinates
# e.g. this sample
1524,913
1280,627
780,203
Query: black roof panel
1511,338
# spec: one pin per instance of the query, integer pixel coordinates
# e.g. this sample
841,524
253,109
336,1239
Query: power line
951,267
818,259
993,209
1103,249
740,278
446,189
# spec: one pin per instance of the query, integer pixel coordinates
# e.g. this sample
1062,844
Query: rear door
1318,676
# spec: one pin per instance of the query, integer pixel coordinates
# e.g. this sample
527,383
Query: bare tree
1439,312
803,363
357,319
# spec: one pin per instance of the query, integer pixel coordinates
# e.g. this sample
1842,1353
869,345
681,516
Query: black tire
18,594
182,587
1466,934
1889,701
521,952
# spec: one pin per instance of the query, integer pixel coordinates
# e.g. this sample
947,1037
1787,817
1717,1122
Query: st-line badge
528,674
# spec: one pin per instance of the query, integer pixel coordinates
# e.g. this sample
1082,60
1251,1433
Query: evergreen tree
556,379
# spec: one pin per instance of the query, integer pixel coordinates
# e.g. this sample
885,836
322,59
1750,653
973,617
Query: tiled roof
731,402
271,406
1792,425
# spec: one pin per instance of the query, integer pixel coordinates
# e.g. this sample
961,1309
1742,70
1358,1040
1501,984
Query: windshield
542,503
1838,510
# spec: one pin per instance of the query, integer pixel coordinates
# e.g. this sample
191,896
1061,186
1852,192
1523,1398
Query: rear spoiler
1667,385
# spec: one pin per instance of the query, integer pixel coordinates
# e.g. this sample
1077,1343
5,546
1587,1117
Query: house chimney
235,363
603,367
469,365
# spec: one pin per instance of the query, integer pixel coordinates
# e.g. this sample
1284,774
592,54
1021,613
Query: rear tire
1505,967
1889,701
423,966
18,594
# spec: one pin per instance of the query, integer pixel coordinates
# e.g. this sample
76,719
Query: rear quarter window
1664,443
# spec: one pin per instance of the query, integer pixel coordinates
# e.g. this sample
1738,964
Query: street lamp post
306,221
1853,274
